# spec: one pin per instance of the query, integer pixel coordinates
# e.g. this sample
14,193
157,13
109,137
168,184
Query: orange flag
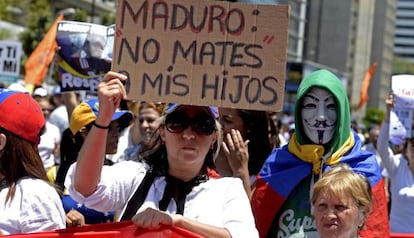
365,85
38,62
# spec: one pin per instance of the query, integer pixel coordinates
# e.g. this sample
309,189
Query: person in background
59,115
49,140
28,202
400,169
322,138
40,92
286,126
81,121
124,140
245,146
175,184
145,125
278,140
371,146
397,144
355,126
341,202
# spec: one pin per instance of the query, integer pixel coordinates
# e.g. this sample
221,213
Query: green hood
326,80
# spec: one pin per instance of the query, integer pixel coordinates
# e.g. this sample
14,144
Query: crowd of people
217,172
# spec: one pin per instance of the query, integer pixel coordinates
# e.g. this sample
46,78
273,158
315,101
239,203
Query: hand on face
319,115
236,152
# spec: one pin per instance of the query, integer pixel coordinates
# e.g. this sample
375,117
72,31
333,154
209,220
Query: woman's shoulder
35,184
225,182
129,165
126,170
36,189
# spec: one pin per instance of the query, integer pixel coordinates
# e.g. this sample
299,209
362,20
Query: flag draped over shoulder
365,85
38,62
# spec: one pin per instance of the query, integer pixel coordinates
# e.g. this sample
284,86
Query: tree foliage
402,66
373,116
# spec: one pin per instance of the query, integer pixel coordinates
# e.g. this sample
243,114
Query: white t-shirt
402,186
217,202
48,142
36,207
402,194
59,117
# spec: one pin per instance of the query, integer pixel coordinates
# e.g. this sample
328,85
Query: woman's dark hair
70,146
20,158
256,124
274,134
405,146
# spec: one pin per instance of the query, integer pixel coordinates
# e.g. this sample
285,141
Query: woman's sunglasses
202,124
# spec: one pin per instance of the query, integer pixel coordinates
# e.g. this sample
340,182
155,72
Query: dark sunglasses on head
202,124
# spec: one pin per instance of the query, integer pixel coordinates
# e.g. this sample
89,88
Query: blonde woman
341,201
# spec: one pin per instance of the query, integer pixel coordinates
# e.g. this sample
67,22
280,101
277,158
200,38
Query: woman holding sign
400,168
175,185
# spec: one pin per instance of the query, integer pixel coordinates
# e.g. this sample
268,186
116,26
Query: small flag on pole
365,85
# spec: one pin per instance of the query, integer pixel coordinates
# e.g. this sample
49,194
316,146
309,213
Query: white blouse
218,202
35,207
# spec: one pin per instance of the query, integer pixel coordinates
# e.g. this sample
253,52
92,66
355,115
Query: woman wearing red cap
28,203
175,184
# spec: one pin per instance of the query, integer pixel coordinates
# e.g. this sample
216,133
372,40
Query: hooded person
322,139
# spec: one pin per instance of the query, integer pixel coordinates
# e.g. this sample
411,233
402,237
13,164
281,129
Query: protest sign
10,56
85,52
402,114
203,52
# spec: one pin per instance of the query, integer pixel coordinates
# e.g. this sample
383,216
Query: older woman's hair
342,180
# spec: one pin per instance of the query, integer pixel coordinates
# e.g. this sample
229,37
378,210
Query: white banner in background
402,114
10,56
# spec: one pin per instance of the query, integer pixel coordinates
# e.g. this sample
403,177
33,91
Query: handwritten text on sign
203,52
402,113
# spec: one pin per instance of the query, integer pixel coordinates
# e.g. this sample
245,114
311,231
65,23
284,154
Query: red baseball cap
21,115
